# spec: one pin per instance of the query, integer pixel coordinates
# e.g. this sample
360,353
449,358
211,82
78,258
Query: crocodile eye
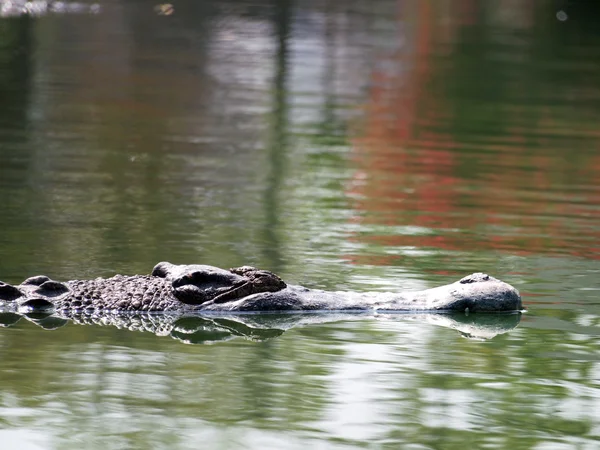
204,279
190,294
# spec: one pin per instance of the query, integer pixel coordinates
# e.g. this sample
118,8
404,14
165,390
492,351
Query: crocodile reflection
195,328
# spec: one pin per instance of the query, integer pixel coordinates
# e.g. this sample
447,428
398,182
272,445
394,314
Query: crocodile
187,288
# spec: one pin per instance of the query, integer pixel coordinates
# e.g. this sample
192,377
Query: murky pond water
353,145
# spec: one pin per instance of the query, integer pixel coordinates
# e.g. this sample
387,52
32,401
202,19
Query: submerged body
184,288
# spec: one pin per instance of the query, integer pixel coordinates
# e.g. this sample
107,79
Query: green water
368,146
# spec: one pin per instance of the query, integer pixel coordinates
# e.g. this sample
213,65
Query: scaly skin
205,288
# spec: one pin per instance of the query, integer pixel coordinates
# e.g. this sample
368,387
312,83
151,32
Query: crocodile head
196,284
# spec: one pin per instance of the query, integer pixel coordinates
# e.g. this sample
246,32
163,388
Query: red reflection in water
530,189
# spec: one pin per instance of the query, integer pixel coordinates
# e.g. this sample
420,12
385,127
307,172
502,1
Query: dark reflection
46,321
278,145
17,158
202,329
9,319
15,74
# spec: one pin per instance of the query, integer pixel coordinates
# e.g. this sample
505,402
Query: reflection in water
389,381
15,8
207,135
210,328
474,137
278,141
357,145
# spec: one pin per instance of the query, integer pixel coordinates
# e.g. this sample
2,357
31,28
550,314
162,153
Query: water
344,145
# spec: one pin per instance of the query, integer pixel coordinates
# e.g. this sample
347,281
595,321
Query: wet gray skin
206,288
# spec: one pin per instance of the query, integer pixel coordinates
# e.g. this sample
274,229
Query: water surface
344,145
